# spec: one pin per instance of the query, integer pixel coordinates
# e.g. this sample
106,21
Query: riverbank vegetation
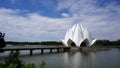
34,43
13,61
98,43
107,43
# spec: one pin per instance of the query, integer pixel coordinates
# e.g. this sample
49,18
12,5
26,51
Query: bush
13,61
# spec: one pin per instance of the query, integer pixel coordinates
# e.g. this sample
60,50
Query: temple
78,36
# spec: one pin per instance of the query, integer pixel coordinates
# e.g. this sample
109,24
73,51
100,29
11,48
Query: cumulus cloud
32,27
65,15
102,21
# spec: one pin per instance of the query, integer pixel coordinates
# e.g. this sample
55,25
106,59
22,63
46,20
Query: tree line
35,43
108,43
98,42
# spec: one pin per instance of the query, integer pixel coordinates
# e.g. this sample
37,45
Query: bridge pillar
42,51
31,52
58,50
50,50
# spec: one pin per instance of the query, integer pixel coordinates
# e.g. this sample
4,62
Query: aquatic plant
13,61
30,65
42,65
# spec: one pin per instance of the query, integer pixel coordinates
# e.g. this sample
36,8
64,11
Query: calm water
73,59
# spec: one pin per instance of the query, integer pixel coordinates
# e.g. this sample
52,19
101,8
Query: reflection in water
74,59
77,59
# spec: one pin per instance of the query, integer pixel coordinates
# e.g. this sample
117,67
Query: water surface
73,59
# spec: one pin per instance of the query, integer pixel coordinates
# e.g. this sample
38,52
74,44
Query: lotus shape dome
78,36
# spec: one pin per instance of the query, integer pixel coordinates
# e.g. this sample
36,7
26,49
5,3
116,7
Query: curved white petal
78,34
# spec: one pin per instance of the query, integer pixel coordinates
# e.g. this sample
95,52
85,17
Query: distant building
78,36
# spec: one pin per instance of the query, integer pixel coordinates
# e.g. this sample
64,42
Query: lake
72,59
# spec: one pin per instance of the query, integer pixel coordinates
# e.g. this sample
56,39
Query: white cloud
8,11
65,15
20,28
103,22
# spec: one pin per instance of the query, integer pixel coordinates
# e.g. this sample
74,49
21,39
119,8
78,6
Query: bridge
36,47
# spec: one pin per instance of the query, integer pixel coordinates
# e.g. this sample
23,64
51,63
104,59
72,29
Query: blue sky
41,20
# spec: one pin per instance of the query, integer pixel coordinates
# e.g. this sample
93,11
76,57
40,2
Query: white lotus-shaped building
78,36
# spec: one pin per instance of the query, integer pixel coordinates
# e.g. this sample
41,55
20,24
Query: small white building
78,36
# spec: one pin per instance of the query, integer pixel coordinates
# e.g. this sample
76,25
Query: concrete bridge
36,47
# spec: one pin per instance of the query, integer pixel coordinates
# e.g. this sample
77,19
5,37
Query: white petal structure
78,36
